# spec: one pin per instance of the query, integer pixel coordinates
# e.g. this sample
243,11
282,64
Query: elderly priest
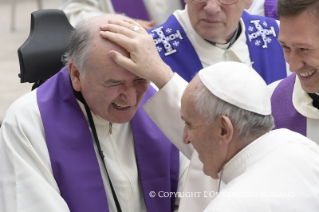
81,142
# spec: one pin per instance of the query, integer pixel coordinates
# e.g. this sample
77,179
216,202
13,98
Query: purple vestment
265,51
74,161
283,111
270,9
132,8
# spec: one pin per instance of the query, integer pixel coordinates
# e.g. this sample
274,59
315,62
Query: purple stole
178,52
74,161
283,111
270,9
132,8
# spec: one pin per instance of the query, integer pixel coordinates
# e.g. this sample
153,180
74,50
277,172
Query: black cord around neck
79,96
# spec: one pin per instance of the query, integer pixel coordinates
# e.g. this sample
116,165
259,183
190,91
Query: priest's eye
139,81
286,48
116,84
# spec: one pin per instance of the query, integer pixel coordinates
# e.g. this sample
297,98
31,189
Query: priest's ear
74,75
226,131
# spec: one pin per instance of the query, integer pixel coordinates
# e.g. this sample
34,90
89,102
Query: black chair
40,55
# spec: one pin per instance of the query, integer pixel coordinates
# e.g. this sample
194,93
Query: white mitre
237,84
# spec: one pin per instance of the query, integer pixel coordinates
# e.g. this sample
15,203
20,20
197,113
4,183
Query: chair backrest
40,55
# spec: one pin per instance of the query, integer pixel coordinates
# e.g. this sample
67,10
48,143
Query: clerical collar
231,42
315,98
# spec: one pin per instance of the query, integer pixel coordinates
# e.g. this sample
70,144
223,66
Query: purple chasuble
283,111
74,161
132,8
270,9
178,52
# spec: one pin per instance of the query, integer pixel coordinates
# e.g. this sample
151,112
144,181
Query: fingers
126,33
125,27
120,27
119,39
123,61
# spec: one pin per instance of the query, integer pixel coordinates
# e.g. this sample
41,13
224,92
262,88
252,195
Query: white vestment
303,104
279,171
26,178
166,103
210,54
78,10
257,8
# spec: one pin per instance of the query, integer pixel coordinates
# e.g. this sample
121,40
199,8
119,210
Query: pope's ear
74,75
227,130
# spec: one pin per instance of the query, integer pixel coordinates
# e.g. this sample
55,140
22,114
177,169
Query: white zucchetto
237,84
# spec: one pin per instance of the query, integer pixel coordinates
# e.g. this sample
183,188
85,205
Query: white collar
303,102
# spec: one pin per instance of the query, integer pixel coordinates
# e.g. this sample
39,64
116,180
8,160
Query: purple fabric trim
283,111
132,8
158,172
270,9
268,62
74,161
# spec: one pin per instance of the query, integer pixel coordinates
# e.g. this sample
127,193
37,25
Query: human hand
144,60
146,24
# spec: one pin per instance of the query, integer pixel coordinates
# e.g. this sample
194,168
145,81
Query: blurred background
14,30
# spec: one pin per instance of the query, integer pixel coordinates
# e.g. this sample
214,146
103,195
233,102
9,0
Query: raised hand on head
144,60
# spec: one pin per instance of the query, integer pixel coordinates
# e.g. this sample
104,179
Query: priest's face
299,37
204,137
214,21
111,92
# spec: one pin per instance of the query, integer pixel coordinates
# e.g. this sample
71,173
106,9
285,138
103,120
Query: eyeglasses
227,2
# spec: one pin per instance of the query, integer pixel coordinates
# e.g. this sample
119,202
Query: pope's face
204,137
299,37
111,92
214,21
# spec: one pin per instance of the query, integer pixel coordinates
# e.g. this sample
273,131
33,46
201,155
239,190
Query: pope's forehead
191,88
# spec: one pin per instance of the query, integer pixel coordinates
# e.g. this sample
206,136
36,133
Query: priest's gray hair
247,123
79,48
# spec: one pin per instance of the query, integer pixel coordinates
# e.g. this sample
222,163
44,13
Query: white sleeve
80,10
164,110
26,180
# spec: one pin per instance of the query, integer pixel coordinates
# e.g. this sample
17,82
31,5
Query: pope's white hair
247,123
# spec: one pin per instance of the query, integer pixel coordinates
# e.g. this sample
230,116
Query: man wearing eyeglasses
211,31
